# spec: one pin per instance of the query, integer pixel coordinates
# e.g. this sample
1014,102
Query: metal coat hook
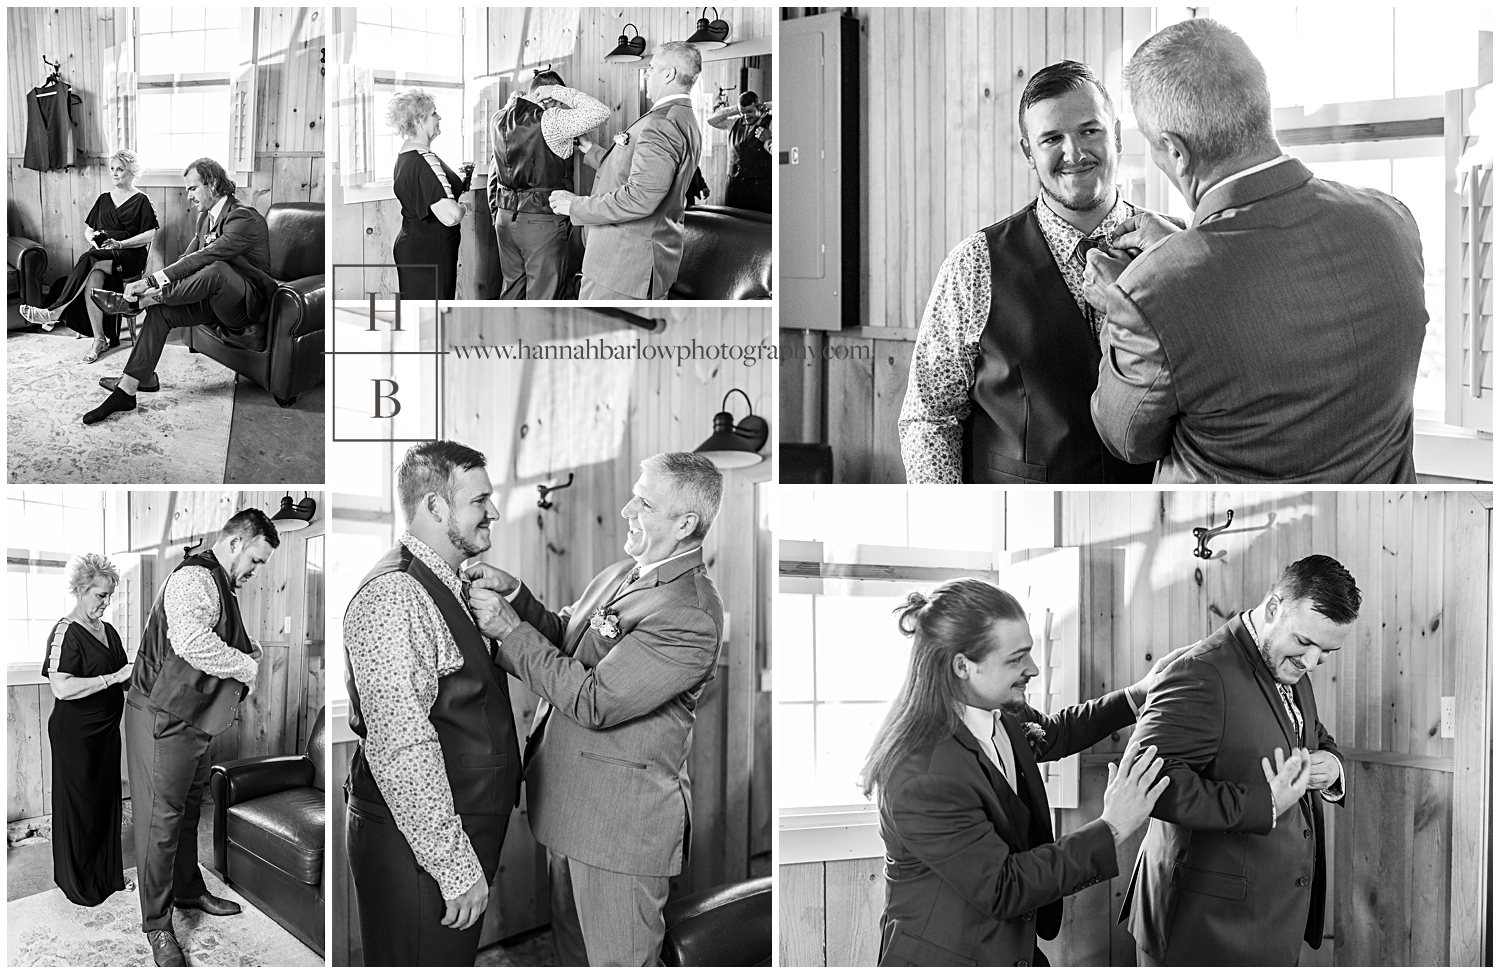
1205,535
544,490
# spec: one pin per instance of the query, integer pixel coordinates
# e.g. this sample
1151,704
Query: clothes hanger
52,79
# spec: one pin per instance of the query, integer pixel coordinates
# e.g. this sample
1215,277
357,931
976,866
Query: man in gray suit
619,673
1276,339
633,240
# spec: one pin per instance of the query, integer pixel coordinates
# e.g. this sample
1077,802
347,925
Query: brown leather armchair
268,834
292,360
726,255
26,262
726,926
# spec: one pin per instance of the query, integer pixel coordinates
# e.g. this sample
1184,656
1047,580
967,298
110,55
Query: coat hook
544,490
1205,535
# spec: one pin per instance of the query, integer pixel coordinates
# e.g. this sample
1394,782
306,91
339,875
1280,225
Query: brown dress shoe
164,948
210,904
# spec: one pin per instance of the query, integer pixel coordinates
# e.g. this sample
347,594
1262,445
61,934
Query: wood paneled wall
50,207
1410,859
372,227
277,605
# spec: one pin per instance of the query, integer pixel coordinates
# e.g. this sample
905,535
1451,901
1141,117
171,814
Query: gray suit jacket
608,782
1275,340
633,243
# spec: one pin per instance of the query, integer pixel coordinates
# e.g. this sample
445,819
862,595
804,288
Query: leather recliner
726,926
292,360
26,262
726,255
268,834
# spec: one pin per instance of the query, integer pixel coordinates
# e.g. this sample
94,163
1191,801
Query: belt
513,200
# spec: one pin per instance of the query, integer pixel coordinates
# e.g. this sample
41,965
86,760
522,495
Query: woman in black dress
120,226
86,665
431,198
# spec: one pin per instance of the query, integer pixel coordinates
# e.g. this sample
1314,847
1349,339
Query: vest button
1028,917
1302,880
1307,833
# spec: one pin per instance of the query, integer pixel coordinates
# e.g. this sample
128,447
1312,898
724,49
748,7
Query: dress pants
594,291
168,766
533,254
215,293
603,918
749,194
400,905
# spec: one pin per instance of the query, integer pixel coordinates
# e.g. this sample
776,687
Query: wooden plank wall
938,90
1408,880
372,226
50,207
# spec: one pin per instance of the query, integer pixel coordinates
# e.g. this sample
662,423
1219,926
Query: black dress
135,215
423,238
85,733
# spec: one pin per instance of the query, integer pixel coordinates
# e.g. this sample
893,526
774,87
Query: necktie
1289,700
1006,754
1085,245
630,579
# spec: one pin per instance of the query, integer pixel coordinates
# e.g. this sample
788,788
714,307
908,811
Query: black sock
117,402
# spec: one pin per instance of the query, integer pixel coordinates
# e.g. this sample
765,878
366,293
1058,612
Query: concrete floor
28,868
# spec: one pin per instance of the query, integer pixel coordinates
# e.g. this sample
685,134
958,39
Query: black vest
524,164
1037,367
165,681
472,715
748,157
51,136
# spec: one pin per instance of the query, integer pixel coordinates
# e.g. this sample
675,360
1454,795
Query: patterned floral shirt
942,364
398,646
191,603
560,126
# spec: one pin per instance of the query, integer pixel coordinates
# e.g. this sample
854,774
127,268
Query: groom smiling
619,673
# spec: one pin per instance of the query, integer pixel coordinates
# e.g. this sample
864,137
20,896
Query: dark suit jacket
243,242
1214,883
633,243
1275,340
973,874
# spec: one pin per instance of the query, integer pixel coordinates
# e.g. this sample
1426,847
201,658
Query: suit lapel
1028,775
599,598
1017,815
1264,680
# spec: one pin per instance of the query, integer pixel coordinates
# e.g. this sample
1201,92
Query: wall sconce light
710,36
734,444
295,516
629,49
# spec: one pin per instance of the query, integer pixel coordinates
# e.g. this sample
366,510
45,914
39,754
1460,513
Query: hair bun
908,610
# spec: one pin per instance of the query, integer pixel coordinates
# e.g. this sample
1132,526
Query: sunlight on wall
576,412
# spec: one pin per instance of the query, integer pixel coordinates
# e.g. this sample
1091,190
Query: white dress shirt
986,728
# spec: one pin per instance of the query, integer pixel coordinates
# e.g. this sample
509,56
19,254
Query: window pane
861,655
795,766
941,517
222,17
791,627
187,18
844,734
154,20
796,518
156,55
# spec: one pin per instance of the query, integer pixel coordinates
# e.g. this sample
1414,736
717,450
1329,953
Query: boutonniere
606,624
622,138
1035,737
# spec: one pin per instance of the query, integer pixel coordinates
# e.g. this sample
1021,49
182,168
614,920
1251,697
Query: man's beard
1096,201
1018,709
1276,670
468,548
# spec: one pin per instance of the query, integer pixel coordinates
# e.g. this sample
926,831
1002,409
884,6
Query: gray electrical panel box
817,214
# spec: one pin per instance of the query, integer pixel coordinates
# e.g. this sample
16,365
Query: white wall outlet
286,625
1447,730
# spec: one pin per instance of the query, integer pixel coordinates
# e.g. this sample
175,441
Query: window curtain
120,104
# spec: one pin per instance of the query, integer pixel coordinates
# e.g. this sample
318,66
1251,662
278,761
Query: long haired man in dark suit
1232,868
223,276
973,872
1277,338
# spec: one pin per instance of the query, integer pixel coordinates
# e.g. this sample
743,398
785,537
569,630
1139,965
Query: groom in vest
1007,356
437,770
196,663
619,673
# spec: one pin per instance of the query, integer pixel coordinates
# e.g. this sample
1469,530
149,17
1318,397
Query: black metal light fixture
734,444
294,516
629,49
710,36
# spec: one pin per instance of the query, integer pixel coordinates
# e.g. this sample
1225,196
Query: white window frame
27,672
238,80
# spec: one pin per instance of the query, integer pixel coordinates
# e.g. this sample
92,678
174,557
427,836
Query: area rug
46,930
177,436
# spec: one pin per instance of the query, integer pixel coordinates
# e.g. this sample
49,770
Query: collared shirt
1335,791
560,126
942,363
191,603
1245,172
398,646
986,728
666,98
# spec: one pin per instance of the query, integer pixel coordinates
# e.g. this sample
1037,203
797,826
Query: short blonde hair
408,108
129,160
82,570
